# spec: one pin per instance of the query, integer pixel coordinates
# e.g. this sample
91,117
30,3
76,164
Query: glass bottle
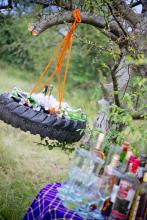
141,168
114,149
123,155
50,89
45,90
124,150
127,187
114,176
129,159
104,191
106,210
112,170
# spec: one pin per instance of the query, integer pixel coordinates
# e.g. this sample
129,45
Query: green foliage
121,120
67,148
138,60
12,42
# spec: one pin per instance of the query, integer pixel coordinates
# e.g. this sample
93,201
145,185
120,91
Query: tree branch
117,21
64,4
115,82
138,116
47,21
127,82
126,12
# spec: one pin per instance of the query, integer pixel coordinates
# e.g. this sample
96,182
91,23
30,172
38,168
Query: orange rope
65,74
63,47
46,68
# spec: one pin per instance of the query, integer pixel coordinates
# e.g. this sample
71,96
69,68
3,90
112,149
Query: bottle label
131,195
124,188
118,215
114,193
123,201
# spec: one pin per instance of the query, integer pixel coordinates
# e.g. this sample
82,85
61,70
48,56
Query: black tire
51,126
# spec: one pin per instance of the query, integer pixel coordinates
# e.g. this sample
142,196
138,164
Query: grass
25,167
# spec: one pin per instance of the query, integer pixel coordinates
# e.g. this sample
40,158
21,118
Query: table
46,206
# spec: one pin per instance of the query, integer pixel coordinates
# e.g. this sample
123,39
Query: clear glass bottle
104,191
114,149
114,175
112,170
126,192
121,151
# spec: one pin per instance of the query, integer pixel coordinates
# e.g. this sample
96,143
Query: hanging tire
46,125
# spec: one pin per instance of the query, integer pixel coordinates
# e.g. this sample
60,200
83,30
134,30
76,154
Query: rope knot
76,15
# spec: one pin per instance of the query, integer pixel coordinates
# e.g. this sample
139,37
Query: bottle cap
125,146
115,160
101,137
145,177
100,140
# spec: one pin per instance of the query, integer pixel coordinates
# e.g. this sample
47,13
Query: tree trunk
123,74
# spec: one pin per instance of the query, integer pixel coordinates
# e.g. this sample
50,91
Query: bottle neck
100,141
115,161
45,90
123,154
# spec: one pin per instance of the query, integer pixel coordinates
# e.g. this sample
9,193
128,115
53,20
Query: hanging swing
21,111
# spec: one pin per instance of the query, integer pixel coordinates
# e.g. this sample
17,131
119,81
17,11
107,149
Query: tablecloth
47,206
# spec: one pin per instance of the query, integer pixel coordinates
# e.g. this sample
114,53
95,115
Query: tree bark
47,21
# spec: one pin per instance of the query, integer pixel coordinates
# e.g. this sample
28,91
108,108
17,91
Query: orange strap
65,74
62,49
46,68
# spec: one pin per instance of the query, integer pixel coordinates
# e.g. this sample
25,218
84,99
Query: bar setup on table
99,186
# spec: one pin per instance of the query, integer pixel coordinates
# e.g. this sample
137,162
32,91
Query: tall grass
24,168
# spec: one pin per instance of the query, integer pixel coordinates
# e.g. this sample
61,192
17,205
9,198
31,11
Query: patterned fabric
47,206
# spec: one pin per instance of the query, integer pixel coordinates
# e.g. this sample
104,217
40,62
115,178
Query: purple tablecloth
46,206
